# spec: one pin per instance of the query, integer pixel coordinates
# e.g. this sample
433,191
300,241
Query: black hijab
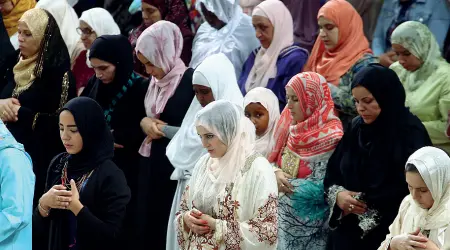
115,49
98,143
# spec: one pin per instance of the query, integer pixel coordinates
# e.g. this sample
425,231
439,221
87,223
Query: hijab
185,149
351,46
418,39
226,121
11,20
265,66
101,22
102,49
320,131
269,101
433,165
161,44
67,21
98,143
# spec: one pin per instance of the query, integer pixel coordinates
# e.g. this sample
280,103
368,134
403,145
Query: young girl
261,107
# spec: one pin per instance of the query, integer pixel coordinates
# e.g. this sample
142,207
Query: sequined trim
290,162
64,91
249,162
332,198
35,120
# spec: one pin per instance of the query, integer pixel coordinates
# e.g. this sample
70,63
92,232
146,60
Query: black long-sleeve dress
156,190
371,159
37,125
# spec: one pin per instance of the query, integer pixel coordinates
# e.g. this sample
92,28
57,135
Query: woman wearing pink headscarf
168,98
278,59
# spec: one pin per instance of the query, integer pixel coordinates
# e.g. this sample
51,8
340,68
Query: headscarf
351,46
67,21
417,39
103,48
226,121
265,66
269,101
102,22
98,142
433,165
12,19
161,44
235,39
185,149
321,130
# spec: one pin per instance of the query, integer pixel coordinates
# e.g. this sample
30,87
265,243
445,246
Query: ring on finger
350,208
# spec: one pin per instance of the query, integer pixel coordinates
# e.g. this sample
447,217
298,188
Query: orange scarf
12,19
352,44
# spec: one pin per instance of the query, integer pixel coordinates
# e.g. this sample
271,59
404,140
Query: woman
41,85
278,59
120,92
433,14
426,78
94,23
305,137
174,11
365,180
167,100
227,30
231,200
86,193
261,107
340,52
12,11
424,216
212,80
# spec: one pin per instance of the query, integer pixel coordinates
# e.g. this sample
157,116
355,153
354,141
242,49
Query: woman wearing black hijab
365,181
86,193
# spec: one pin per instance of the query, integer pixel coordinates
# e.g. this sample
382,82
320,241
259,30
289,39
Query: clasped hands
58,197
198,223
152,127
412,241
9,109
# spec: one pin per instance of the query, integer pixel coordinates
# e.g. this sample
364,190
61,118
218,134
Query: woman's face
419,190
366,105
293,105
329,33
264,30
104,71
28,44
68,131
151,69
6,6
211,142
150,14
259,116
211,18
409,61
88,35
204,94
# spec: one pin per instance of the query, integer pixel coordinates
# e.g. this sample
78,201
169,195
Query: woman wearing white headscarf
231,200
425,76
261,107
278,59
215,75
227,30
423,221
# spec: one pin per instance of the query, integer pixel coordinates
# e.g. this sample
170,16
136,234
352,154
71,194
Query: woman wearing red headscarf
174,11
340,52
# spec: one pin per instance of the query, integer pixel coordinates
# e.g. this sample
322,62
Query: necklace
66,182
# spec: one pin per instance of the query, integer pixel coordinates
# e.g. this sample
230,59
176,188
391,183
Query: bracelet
47,212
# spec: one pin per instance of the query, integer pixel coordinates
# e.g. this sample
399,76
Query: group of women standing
162,137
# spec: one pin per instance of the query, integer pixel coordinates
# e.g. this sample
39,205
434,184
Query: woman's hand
198,226
388,58
411,241
75,205
348,204
284,185
57,198
150,128
9,109
199,215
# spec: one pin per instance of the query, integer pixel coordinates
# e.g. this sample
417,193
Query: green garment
427,88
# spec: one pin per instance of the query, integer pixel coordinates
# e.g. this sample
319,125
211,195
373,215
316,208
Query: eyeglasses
85,31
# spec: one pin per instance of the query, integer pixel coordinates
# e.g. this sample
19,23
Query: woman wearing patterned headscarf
305,137
174,11
42,84
426,78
